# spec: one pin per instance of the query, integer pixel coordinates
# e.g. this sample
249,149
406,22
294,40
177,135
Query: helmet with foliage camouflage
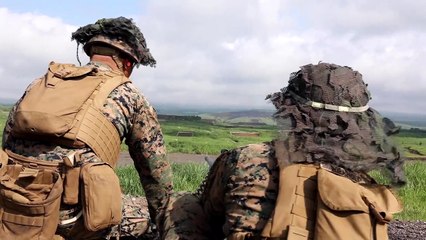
120,33
330,121
328,86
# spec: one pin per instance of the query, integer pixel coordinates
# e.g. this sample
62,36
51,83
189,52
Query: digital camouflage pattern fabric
185,218
135,224
241,189
136,221
137,123
323,118
237,197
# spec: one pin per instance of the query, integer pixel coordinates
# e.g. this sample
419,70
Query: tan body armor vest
64,107
314,203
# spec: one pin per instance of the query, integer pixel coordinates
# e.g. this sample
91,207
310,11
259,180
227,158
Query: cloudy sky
231,53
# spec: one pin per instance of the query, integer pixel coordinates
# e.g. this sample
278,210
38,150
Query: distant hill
188,110
247,117
255,116
241,114
5,108
7,101
408,120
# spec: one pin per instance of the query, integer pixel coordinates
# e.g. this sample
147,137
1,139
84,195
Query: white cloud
28,42
233,53
274,38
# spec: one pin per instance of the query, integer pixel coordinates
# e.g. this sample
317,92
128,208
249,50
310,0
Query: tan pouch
344,211
71,185
101,196
40,114
29,200
295,208
3,161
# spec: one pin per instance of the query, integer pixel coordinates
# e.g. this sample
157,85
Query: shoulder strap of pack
96,130
281,153
107,87
295,199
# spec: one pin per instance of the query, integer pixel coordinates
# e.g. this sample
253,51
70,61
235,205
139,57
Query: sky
230,54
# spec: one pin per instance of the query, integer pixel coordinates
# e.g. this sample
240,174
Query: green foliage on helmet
120,33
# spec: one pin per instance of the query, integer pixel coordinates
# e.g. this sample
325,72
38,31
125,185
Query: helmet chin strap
107,51
118,61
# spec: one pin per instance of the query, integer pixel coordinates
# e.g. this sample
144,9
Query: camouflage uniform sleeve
147,149
244,192
212,194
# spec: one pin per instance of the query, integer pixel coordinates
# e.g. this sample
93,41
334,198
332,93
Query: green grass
211,139
208,138
413,194
3,117
415,143
129,181
186,177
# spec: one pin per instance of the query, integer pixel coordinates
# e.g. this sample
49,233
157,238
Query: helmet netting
357,141
122,29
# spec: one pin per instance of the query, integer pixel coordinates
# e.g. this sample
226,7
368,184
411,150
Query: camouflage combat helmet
325,116
330,87
120,33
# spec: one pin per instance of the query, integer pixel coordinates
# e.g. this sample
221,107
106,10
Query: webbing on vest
96,130
315,203
76,121
295,208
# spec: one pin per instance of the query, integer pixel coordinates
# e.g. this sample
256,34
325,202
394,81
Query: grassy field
188,177
413,194
3,117
414,143
210,139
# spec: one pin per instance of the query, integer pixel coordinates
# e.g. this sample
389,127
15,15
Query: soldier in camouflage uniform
324,119
114,45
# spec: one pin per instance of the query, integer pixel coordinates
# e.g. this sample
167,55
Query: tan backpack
65,107
29,199
30,189
314,203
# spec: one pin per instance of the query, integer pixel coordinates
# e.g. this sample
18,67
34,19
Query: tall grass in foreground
188,177
413,194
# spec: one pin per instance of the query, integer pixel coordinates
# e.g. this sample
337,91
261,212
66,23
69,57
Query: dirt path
400,230
173,157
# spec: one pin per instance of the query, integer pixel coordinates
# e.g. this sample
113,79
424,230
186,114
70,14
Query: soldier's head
318,95
119,38
325,107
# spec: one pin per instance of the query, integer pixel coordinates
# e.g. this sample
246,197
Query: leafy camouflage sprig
120,28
